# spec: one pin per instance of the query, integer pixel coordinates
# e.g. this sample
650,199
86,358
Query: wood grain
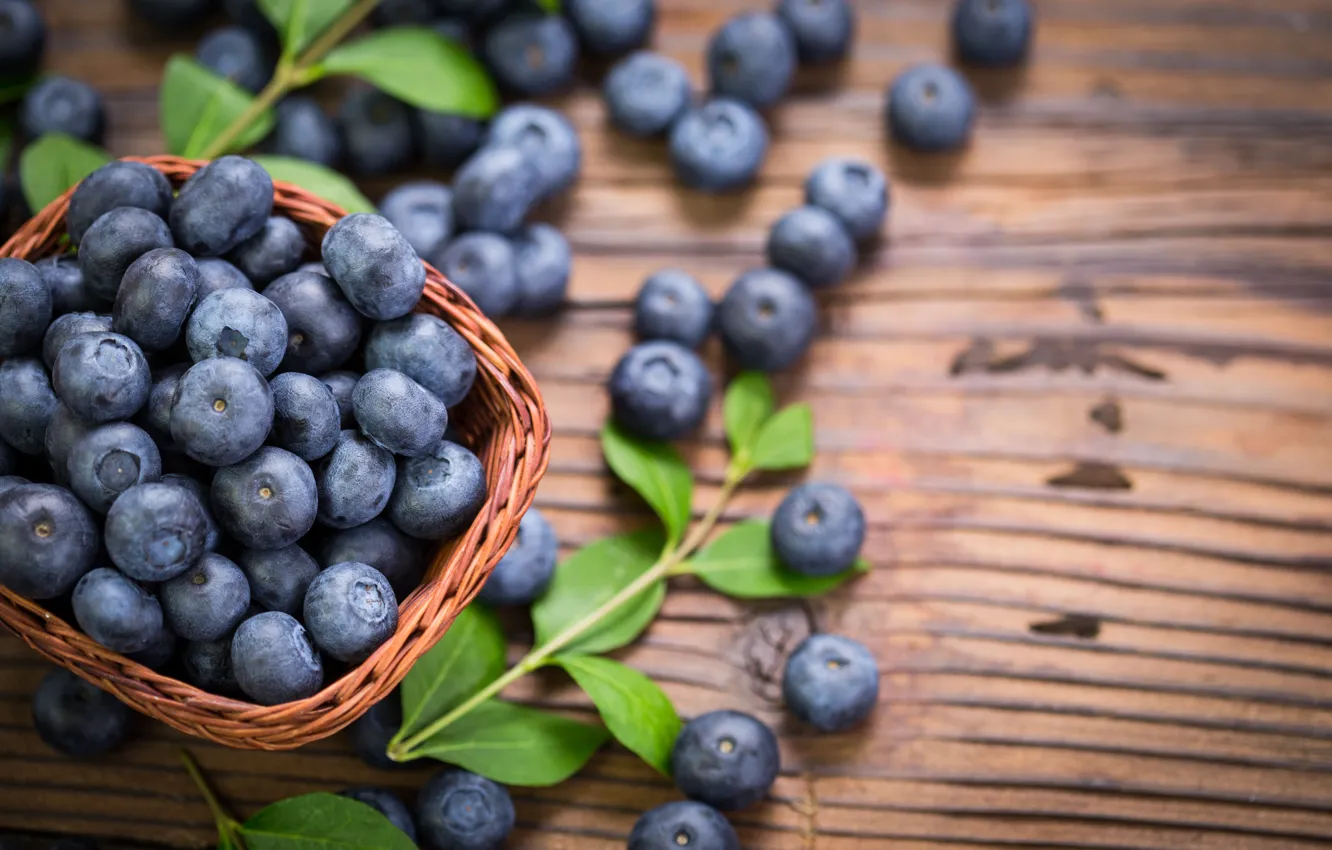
1082,388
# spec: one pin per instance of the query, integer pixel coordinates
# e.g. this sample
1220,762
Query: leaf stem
228,828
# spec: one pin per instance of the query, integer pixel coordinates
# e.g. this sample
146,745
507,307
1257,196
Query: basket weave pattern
503,419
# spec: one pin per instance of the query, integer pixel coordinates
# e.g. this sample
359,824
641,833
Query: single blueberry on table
437,496
854,191
494,190
208,667
397,413
323,329
116,611
341,385
117,184
818,529
65,328
766,319
546,138
172,13
542,262
374,266
645,93
752,59
69,291
931,109
63,432
77,718
216,273
531,55
660,390
27,404
22,39
831,682
155,532
25,307
272,252
267,501
355,481
673,305
823,29
381,545
610,29
207,601
223,204
102,377
458,810
274,661
238,323
377,131
446,140
423,213
726,759
62,105
304,131
387,803
483,266
427,350
522,575
306,419
992,32
812,244
222,412
160,651
372,731
683,823
48,540
718,146
155,297
238,55
350,611
115,240
278,577
109,460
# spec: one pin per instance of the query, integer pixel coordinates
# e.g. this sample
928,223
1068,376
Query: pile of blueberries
224,460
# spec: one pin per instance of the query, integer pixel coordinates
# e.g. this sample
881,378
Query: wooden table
1083,390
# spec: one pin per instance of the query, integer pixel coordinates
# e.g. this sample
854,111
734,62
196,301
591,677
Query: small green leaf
197,105
787,440
656,471
324,182
741,563
748,405
637,712
515,744
300,21
590,578
52,164
551,6
421,67
322,822
468,657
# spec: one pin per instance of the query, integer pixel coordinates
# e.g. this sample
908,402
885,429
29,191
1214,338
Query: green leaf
637,712
468,657
748,405
590,578
741,563
197,105
322,822
515,744
53,163
656,471
787,440
300,21
551,6
324,182
421,67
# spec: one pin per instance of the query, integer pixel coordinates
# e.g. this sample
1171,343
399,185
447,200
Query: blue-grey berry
374,266
611,29
207,601
531,55
341,384
752,58
992,33
155,417
818,529
854,191
48,540
355,481
372,731
27,404
458,810
350,611
323,329
483,266
238,323
207,666
398,413
272,252
114,240
646,93
109,460
274,661
423,213
117,184
811,243
216,273
522,575
278,578
63,105
495,189
387,803
213,535
726,759
77,718
25,307
267,501
377,131
65,328
683,823
155,296
427,350
155,532
766,320
381,545
70,292
238,55
931,108
63,432
9,482
546,138
446,139
673,305
542,262
831,682
102,377
116,611
823,29
223,204
660,390
23,40
222,412
437,496
718,146
306,419
160,651
304,131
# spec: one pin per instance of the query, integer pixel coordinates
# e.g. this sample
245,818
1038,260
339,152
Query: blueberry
266,501
222,412
542,262
726,759
480,12
350,611
372,731
62,105
172,13
69,291
766,320
323,329
65,328
48,540
382,546
26,404
522,575
660,390
115,611
611,29
207,601
9,459
422,212
683,823
992,32
341,385
427,350
446,140
63,432
752,59
355,481
494,190
390,13
200,491
811,243
931,108
546,138
207,666
101,377
304,131
76,717
831,682
109,460
274,661
22,38
482,265
216,274
160,651
278,577
823,29
377,131
155,417
9,482
437,496
223,204
374,266
306,419
236,54
453,29
531,55
387,804
115,240
854,191
272,252
674,306
718,146
240,324
117,184
155,296
25,307
458,810
646,93
398,413
155,532
818,529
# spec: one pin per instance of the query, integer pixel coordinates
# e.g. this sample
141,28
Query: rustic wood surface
1083,389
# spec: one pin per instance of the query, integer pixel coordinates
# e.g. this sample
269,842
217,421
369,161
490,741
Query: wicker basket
504,420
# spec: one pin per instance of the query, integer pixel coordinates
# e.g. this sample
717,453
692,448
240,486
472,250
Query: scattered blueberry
341,385
117,184
113,241
683,823
109,460
216,274
422,212
672,305
238,55
160,651
267,501
823,29
766,320
155,532
854,191
155,297
611,29
831,682
660,390
382,546
101,376
438,495
458,810
992,32
374,266
752,59
726,759
531,55
278,577
323,329
350,611
542,262
718,146
26,404
207,601
272,252
522,575
372,731
223,204
65,328
427,350
931,108
207,666
273,659
241,324
115,611
446,139
222,412
355,481
76,717
482,265
546,138
25,307
494,190
646,93
22,39
377,131
811,243
63,432
69,291
397,413
48,540
306,419
304,131
818,529
387,804
62,105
